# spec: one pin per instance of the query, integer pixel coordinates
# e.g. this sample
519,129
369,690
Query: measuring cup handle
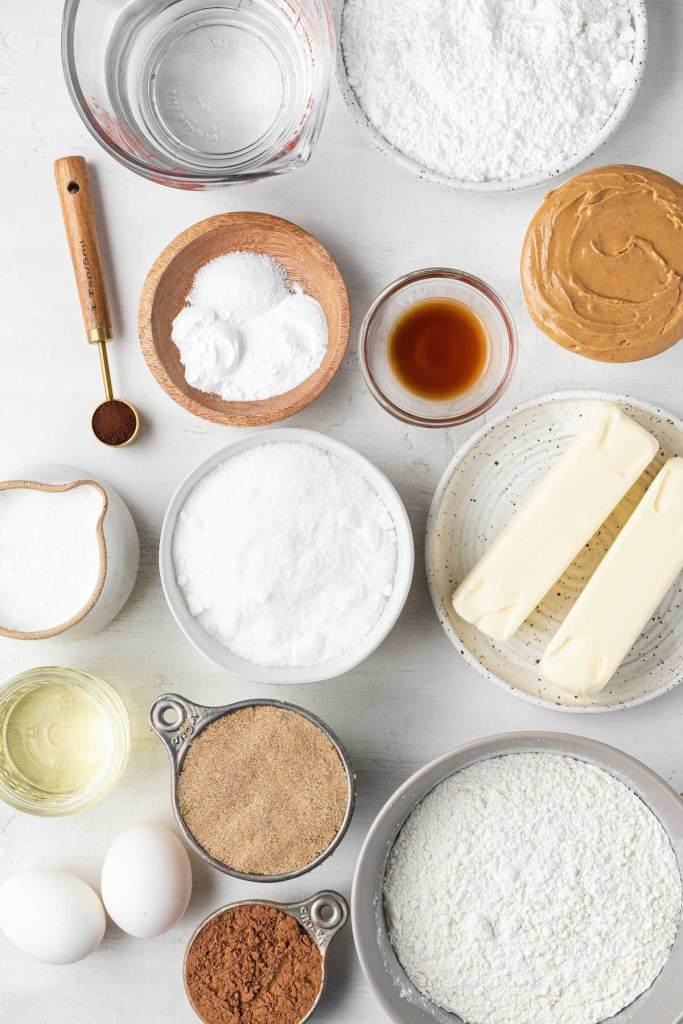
73,185
324,915
175,721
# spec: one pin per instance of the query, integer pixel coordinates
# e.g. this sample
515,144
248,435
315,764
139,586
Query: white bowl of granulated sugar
492,97
286,557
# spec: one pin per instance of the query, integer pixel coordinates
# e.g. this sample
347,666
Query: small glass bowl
440,283
24,793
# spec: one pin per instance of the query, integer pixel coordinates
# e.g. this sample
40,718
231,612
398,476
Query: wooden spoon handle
73,185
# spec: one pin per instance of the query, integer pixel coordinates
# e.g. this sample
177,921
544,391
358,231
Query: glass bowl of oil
64,740
438,348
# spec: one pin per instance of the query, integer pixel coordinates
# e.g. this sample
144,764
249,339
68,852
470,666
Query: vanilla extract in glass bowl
438,348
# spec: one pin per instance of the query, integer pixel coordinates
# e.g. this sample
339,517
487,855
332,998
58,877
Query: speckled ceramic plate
476,497
639,20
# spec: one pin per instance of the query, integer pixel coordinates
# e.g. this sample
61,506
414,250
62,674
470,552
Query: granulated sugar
50,555
285,554
489,89
532,889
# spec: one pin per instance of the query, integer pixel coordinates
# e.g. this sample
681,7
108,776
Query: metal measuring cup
178,721
321,917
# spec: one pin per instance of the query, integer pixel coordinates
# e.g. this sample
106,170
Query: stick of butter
623,593
554,522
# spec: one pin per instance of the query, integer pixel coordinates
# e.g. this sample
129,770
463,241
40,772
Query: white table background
415,698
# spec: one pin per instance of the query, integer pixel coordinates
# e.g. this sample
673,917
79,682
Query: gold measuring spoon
114,422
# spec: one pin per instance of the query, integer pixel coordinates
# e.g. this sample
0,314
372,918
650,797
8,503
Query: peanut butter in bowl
602,264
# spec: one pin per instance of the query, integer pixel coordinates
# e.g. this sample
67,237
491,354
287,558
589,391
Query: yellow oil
55,740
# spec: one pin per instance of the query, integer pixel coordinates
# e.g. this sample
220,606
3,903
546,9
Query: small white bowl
225,658
120,554
639,14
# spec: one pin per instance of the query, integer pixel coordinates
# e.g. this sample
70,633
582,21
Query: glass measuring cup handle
176,720
323,915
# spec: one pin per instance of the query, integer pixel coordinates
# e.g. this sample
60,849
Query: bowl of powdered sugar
286,558
490,95
525,878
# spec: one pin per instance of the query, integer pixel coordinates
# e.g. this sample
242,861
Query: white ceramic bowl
222,656
120,556
512,184
477,496
398,997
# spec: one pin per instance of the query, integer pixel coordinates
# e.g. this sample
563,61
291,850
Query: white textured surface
533,888
415,698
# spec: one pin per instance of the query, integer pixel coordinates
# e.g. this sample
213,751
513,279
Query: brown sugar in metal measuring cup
320,918
178,722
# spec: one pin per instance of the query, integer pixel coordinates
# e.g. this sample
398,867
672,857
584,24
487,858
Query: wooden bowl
170,280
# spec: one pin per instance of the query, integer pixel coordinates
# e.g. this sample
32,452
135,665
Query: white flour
532,889
246,333
285,554
488,89
49,555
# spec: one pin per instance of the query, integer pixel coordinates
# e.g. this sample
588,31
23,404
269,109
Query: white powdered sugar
489,90
532,889
50,555
285,554
248,334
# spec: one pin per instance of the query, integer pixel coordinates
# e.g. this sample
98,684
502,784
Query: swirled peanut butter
602,264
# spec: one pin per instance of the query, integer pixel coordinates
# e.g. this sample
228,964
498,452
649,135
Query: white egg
51,916
146,880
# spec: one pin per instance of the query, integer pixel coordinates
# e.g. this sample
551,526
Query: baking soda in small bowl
247,333
286,555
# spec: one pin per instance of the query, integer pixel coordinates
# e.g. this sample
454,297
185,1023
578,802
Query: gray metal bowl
661,1004
178,721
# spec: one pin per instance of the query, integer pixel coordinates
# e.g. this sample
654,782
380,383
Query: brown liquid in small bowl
438,349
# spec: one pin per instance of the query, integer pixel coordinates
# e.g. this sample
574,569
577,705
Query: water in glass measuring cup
219,84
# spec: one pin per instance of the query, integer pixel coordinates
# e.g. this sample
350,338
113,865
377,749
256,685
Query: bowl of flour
522,878
286,557
490,95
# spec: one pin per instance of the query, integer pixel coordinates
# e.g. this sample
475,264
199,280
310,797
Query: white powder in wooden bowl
248,332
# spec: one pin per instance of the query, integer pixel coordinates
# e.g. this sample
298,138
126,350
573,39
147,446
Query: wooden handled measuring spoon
114,422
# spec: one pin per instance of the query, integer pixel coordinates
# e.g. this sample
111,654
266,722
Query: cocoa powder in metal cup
253,964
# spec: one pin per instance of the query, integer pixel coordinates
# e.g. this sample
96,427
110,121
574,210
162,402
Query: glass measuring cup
201,93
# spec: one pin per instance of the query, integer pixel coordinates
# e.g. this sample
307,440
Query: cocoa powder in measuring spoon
114,422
